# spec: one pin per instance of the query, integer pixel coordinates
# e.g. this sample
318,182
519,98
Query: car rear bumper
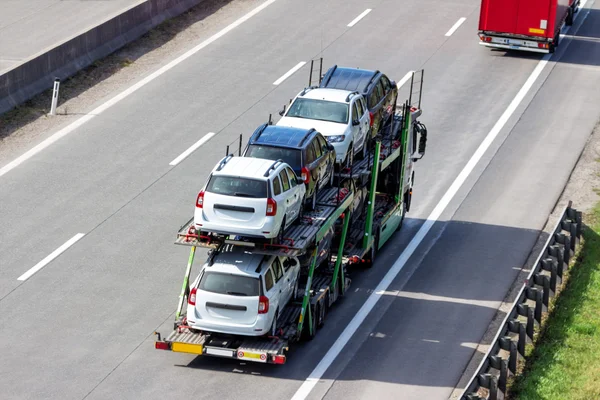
268,230
259,328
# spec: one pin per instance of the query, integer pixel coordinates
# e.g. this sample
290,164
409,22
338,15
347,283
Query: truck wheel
569,20
408,199
373,250
306,335
324,309
554,44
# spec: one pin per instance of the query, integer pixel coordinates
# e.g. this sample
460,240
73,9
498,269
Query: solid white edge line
361,16
50,257
70,128
405,79
289,73
361,315
192,148
455,26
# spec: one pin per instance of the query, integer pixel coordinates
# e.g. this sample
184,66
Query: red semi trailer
531,25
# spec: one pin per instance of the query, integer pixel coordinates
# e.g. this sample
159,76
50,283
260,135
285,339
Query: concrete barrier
38,73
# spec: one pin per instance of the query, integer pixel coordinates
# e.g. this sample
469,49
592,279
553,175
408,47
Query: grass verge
565,363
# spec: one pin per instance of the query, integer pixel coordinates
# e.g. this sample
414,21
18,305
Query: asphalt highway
82,326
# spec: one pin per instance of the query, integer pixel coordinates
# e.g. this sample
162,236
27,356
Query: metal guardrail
527,311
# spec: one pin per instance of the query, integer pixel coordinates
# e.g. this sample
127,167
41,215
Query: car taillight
263,305
192,297
305,175
271,207
200,200
371,119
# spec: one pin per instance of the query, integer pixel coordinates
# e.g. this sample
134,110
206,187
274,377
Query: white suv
250,197
242,293
340,115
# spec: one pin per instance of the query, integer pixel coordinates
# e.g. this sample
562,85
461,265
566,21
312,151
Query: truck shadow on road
425,327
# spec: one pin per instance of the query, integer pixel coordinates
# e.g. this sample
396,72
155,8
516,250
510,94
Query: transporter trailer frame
387,177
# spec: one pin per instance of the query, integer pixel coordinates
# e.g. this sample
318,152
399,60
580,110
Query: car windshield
321,110
233,285
236,186
289,156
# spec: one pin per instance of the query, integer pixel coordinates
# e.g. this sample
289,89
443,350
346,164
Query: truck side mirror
421,138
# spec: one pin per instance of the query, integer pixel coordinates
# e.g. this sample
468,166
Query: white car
340,115
250,197
242,293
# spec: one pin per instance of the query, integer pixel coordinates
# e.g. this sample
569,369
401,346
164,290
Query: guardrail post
489,382
501,365
549,264
556,251
543,281
579,220
565,241
536,295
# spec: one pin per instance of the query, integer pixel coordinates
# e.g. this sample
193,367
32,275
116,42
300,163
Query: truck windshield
321,110
289,156
236,186
233,285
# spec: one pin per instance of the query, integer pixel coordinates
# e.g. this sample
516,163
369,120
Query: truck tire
554,44
306,335
569,20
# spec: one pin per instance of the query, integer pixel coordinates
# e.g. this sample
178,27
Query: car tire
331,177
295,292
273,329
349,156
280,238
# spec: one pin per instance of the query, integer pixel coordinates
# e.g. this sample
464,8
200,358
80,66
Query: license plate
259,357
219,352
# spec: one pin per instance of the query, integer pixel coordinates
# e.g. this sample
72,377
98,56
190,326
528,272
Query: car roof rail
371,80
351,94
272,167
306,136
258,132
308,89
224,161
329,74
260,264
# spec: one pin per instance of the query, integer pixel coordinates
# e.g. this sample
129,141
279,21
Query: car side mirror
299,181
421,138
282,111
330,147
393,83
355,122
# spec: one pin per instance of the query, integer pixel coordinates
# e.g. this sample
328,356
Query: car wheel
295,292
281,231
350,156
273,330
331,176
365,149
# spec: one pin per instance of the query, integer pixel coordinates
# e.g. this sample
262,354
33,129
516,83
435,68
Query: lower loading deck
264,349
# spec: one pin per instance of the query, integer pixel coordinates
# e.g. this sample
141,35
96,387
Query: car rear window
321,110
236,186
234,285
290,156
